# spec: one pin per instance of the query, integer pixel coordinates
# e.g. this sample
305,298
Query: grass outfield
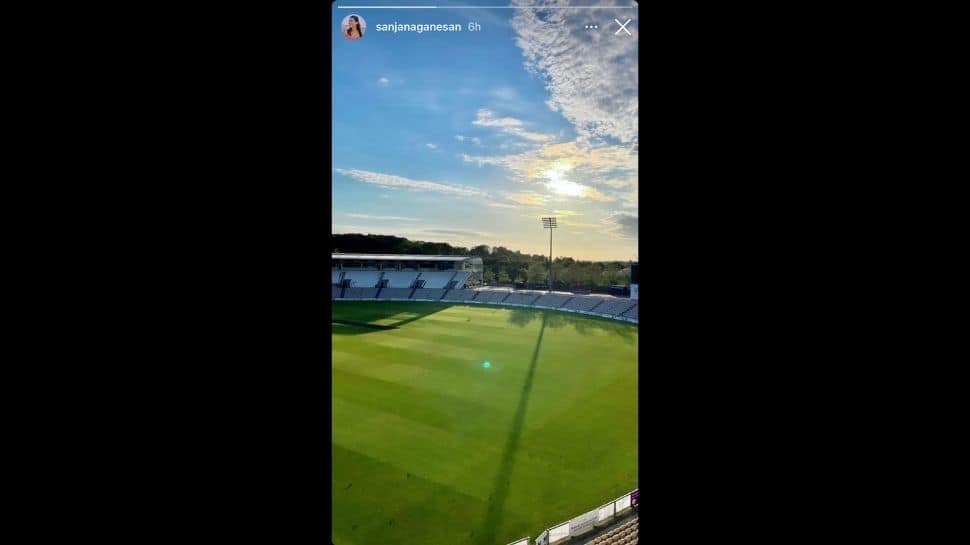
432,447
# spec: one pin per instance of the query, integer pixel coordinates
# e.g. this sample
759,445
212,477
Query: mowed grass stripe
383,505
440,456
465,434
495,386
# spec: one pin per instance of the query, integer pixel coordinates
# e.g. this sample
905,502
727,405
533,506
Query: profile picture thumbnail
353,27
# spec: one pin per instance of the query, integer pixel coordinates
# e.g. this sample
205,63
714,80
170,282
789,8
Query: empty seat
400,279
427,295
437,279
549,300
583,303
521,299
615,307
335,275
461,278
362,279
459,295
491,296
360,293
395,293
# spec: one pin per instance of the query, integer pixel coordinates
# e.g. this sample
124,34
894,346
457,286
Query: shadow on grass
503,478
583,324
360,317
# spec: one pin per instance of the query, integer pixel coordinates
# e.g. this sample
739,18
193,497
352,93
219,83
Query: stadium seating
549,300
394,293
521,299
360,293
583,303
459,295
362,279
615,306
623,534
400,279
461,278
492,296
335,275
437,279
427,295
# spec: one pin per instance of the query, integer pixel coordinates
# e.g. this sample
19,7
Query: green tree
503,277
482,251
489,276
537,273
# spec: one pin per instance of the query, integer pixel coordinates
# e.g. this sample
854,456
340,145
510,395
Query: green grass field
432,447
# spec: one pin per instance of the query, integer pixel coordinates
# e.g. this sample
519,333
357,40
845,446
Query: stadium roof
402,257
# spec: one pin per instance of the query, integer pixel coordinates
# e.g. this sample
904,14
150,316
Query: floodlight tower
549,223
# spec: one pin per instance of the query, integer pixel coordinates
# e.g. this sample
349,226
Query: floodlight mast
549,223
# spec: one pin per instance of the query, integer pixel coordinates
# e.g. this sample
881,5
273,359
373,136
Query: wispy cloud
459,232
391,181
431,146
380,218
473,139
530,198
509,125
383,82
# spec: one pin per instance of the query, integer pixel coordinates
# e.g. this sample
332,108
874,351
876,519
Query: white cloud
577,169
391,181
508,125
381,218
592,77
431,146
383,82
473,139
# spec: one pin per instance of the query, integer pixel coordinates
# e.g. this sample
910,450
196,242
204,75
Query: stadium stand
360,293
522,299
395,293
461,278
400,279
615,307
362,279
335,276
608,306
492,296
583,303
441,279
427,295
436,280
459,295
549,300
622,534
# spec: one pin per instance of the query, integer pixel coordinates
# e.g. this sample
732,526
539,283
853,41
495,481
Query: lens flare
486,364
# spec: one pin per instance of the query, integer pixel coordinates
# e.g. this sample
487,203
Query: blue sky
470,137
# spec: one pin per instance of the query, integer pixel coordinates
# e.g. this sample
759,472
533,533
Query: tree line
501,265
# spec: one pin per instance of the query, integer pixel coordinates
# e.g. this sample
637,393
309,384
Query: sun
558,184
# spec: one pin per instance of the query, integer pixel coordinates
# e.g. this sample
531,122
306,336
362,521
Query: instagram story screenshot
484,272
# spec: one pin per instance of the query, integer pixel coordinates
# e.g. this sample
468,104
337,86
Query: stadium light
549,223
